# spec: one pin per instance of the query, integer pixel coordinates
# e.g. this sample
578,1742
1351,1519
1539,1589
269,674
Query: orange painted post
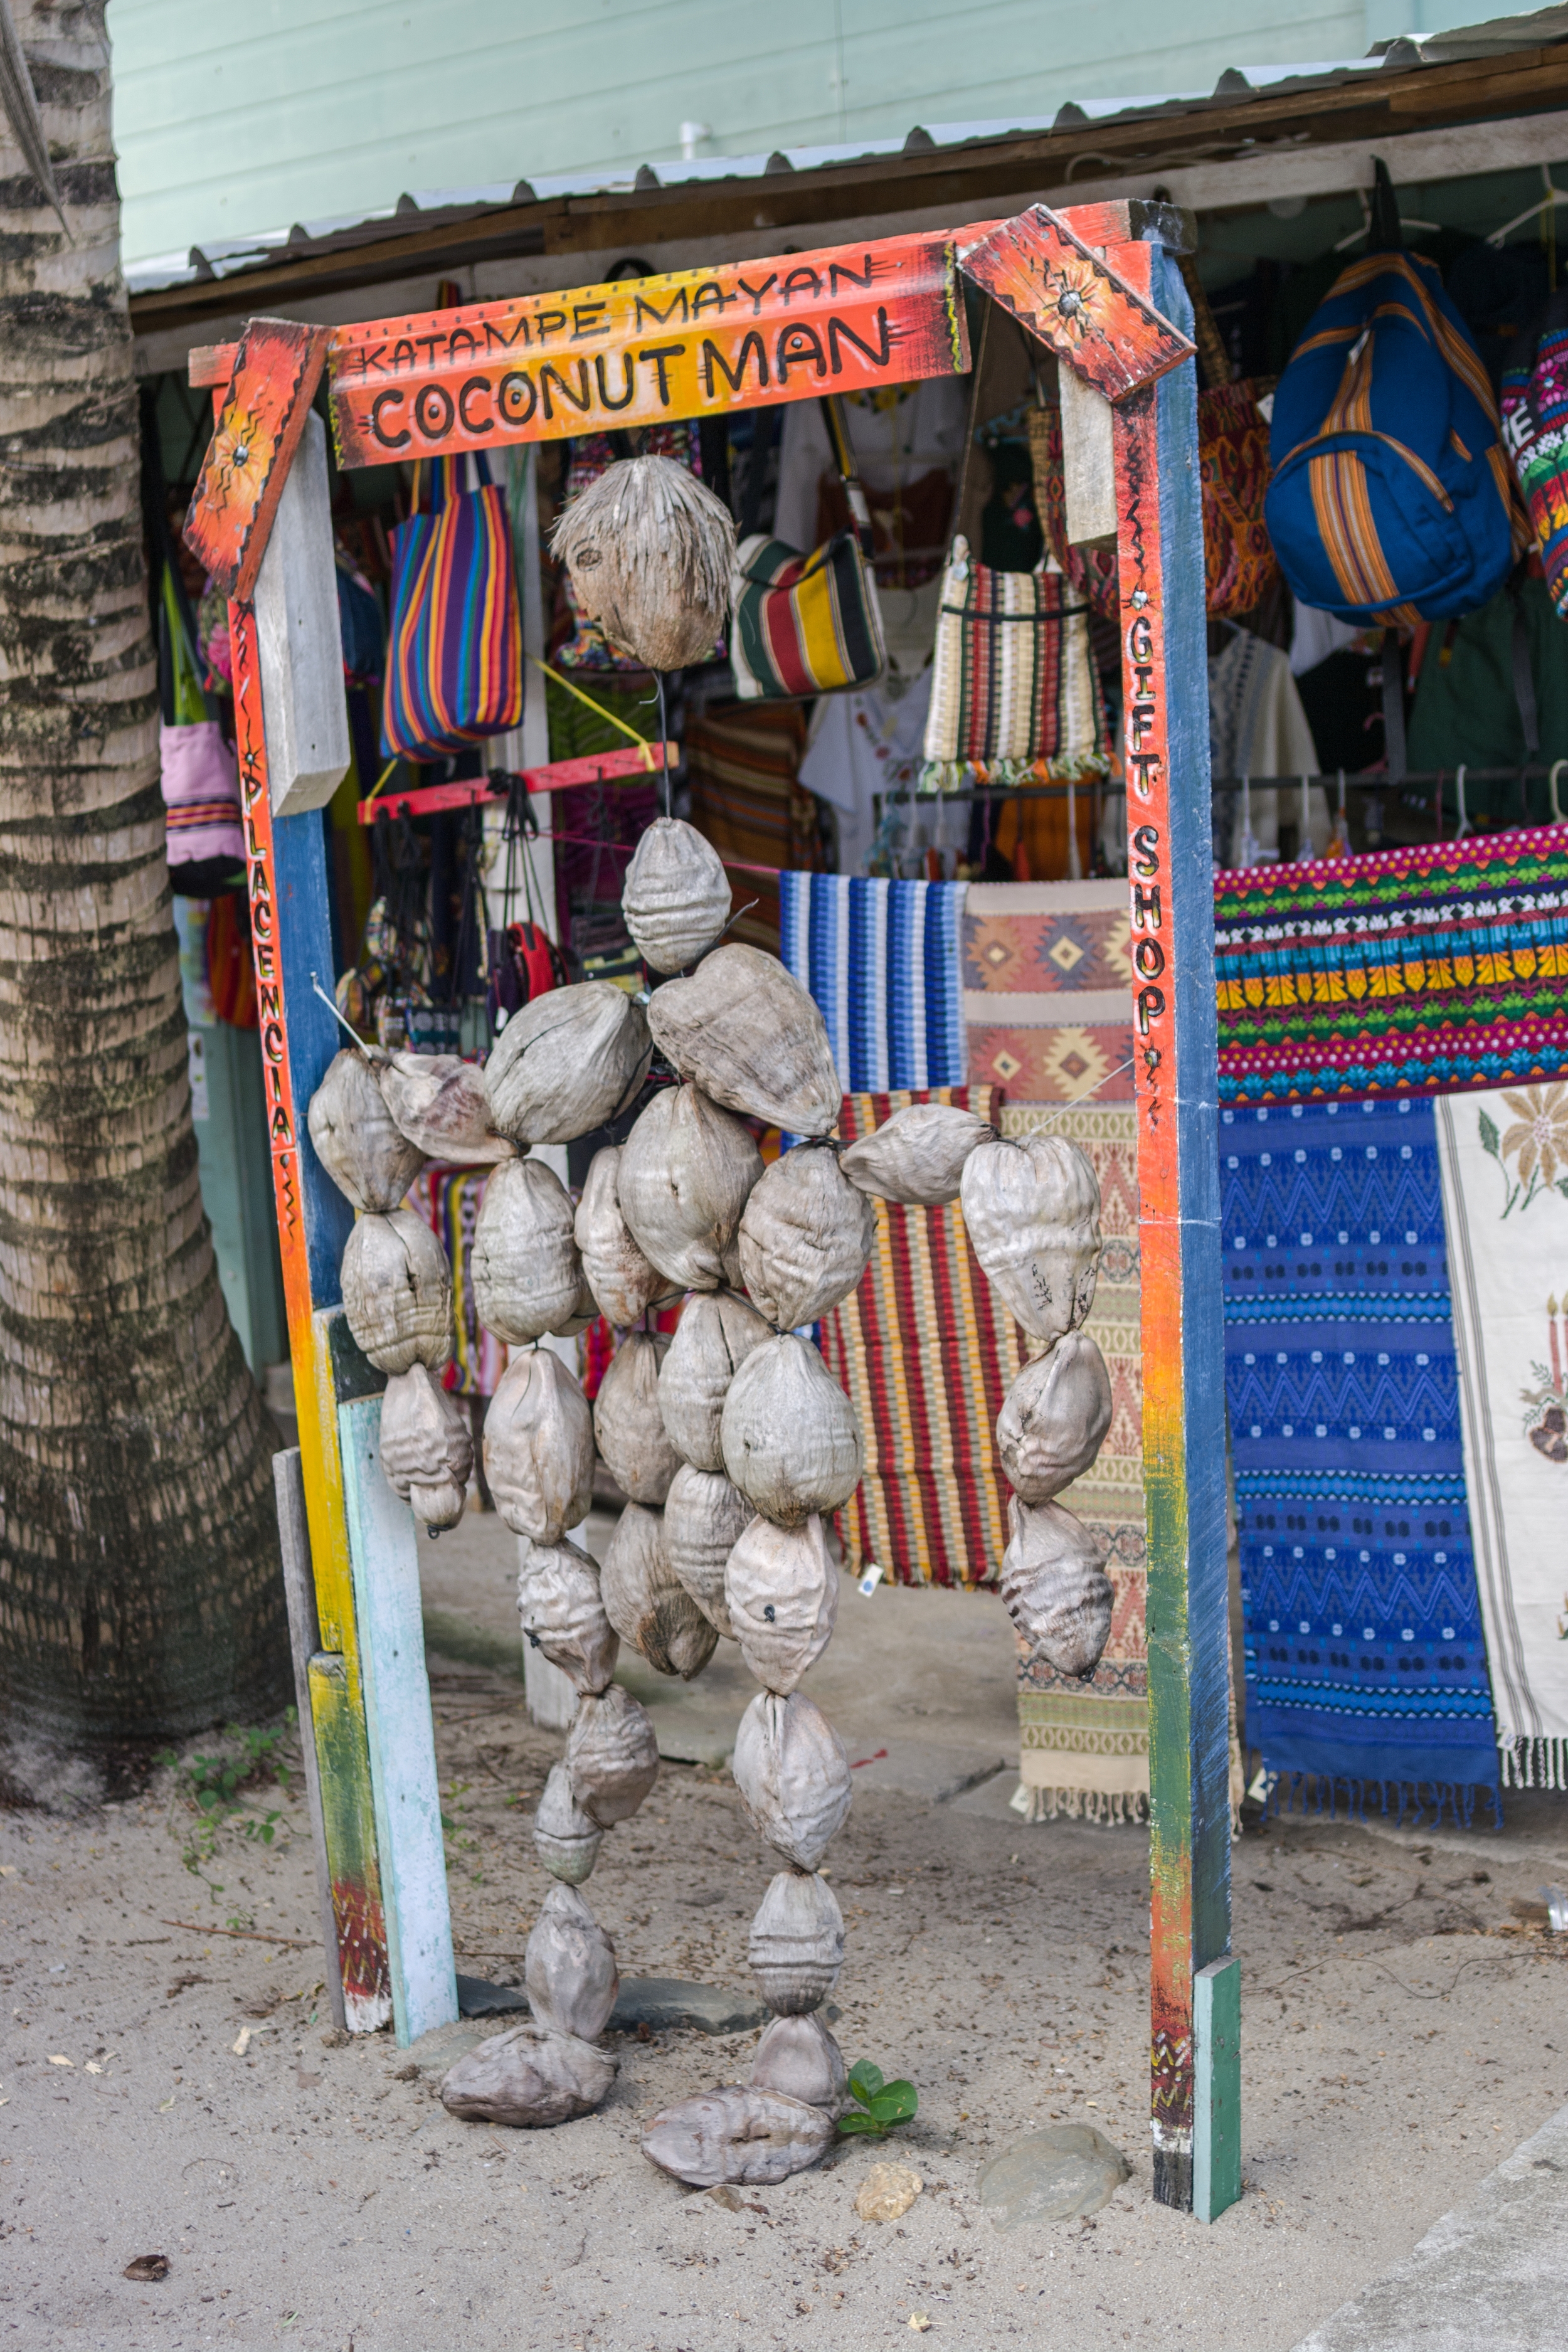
1102,286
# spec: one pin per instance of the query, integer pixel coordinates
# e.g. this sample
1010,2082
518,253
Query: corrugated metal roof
437,208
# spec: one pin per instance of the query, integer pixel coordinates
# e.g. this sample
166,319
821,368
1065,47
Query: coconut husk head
646,1602
649,550
687,1170
798,2058
627,1425
677,895
717,1332
611,1756
806,1236
570,1967
1054,1586
791,1440
438,1101
566,1842
357,1139
538,1447
797,1943
426,1447
917,1157
566,1063
704,1517
524,1267
562,1612
622,1283
781,1592
397,1292
1054,1419
752,1038
793,1773
1032,1213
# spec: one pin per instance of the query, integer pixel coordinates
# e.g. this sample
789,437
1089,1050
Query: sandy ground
1401,2031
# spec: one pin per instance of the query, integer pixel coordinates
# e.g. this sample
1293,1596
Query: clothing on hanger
898,433
1257,728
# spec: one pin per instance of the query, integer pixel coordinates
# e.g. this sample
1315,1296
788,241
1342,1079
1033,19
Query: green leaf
896,2103
861,2123
1489,1136
865,2082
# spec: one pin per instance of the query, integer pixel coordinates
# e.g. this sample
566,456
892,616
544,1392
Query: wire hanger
1554,195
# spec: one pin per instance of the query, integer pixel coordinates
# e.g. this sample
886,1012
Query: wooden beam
1059,289
299,638
210,366
305,1642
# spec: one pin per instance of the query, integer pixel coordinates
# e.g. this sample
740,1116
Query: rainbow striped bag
454,668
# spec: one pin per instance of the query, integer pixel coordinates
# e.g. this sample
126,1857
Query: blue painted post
383,1547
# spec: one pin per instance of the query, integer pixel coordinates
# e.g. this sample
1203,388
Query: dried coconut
793,1773
790,1438
646,1602
1054,1419
703,1517
797,1943
1054,1586
627,1425
567,1062
686,1171
717,1332
622,1283
752,1038
397,1292
917,1156
1032,1212
538,1447
675,900
806,1236
611,1756
438,1101
649,550
357,1140
781,1592
524,1265
562,1612
426,1447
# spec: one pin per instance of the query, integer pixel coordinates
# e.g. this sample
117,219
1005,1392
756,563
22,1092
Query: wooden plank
626,766
1171,861
695,343
290,937
1059,289
277,368
402,1735
209,367
1088,462
304,1641
1217,2109
299,638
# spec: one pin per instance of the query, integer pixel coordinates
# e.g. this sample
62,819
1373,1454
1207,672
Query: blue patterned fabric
1365,1660
882,959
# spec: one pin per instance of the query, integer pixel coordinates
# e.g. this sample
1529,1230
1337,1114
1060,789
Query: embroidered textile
449,1199
1365,1661
1085,1746
926,1354
1417,971
880,958
743,762
1014,693
1505,1173
1048,976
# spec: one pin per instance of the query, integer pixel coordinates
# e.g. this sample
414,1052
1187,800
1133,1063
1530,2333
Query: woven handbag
809,623
1535,433
1014,691
454,670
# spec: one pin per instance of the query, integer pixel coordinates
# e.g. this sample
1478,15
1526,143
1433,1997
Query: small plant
210,1786
880,2105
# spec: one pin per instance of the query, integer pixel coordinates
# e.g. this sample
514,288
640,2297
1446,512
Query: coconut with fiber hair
649,550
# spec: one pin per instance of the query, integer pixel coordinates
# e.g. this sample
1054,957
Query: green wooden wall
301,110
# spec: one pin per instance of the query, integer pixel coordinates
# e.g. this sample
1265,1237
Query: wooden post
1165,752
305,1641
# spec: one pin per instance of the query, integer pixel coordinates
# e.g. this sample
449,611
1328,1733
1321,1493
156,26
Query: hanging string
615,720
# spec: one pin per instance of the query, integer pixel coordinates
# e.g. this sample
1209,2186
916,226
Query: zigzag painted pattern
1363,1646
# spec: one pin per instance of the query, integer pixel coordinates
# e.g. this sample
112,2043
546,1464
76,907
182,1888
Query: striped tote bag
804,624
454,669
1014,692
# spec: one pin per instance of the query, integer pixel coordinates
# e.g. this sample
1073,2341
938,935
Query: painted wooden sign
276,370
1058,287
693,344
1194,2061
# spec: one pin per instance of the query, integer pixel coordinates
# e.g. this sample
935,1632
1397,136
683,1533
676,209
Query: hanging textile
882,959
1366,1669
1417,971
449,1200
1504,1165
1046,975
742,760
1085,1745
926,1355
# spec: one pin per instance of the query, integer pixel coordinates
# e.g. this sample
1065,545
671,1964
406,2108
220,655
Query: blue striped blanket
882,959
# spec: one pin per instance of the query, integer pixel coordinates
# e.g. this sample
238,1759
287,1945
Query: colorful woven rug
1505,1173
1419,971
880,958
1085,1746
742,760
926,1354
1047,980
1367,1670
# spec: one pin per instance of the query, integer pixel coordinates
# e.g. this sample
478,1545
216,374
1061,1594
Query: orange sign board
693,343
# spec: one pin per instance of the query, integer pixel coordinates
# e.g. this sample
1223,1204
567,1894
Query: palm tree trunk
140,1596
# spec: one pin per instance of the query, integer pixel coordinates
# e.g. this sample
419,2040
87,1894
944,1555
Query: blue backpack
1392,500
